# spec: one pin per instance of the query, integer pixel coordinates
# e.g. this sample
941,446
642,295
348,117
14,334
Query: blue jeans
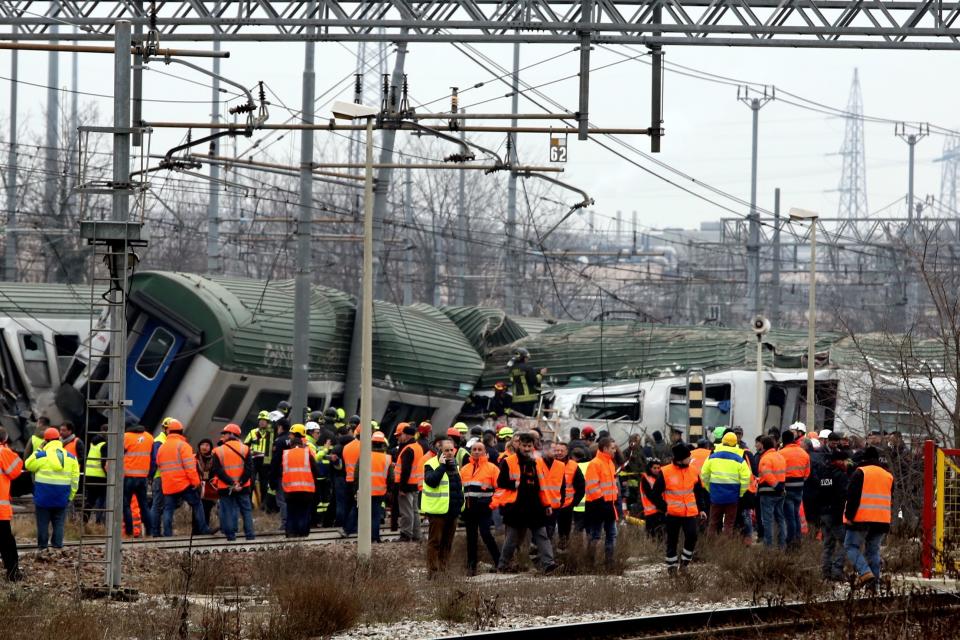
136,487
869,559
232,506
831,562
156,508
46,516
376,508
192,498
791,511
609,527
771,510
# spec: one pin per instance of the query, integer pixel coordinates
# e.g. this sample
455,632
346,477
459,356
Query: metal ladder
111,244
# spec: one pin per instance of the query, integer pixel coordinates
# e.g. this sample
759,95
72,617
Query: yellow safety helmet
461,427
263,415
341,413
504,433
299,430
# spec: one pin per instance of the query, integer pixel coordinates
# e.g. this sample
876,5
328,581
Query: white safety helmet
312,426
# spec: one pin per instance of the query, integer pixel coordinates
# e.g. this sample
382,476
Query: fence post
929,508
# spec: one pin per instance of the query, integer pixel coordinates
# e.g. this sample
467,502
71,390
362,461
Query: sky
708,131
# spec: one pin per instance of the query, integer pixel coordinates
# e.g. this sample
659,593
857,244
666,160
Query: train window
316,403
398,412
35,359
229,403
265,401
66,346
901,410
600,406
154,353
716,406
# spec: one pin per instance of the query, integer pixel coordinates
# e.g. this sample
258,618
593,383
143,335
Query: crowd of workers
522,482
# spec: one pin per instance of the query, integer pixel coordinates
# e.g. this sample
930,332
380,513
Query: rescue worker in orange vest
298,468
137,469
679,494
379,475
603,496
526,502
700,454
652,517
479,479
408,476
798,469
350,457
772,475
179,479
565,474
233,477
867,515
10,469
72,444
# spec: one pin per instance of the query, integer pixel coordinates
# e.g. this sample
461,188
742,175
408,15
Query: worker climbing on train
679,494
526,383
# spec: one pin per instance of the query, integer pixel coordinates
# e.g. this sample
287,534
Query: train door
148,362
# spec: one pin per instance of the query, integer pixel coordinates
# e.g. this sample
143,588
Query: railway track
217,543
790,620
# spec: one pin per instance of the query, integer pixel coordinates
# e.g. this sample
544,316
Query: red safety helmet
588,430
232,429
51,433
174,426
453,433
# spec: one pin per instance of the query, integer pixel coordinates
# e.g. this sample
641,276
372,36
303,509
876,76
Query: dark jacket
406,467
831,492
656,495
526,512
245,475
281,444
433,478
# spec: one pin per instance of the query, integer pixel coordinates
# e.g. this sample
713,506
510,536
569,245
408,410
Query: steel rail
739,621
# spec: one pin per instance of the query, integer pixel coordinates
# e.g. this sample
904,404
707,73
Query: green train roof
485,327
42,300
247,325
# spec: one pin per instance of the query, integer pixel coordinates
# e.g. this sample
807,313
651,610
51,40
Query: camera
760,325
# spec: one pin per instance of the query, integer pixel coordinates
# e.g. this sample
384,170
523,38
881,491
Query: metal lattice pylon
948,176
853,179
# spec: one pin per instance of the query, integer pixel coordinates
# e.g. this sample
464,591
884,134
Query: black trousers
654,525
299,509
8,552
478,523
674,525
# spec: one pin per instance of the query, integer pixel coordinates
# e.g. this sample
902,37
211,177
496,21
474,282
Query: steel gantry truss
874,24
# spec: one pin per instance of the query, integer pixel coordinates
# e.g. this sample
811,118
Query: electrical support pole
408,220
775,277
51,184
509,263
301,302
10,241
908,273
382,186
213,203
745,95
583,115
462,261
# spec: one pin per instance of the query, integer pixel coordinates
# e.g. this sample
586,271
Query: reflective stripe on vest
233,469
297,474
582,505
647,482
351,455
435,500
95,461
678,492
416,470
379,468
875,497
137,447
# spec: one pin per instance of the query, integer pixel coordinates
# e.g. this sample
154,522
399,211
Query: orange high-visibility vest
678,493
71,447
479,478
601,479
416,471
875,497
379,468
351,456
136,454
11,466
232,459
135,513
555,475
773,469
569,473
646,484
297,474
798,464
503,497
699,456
178,465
